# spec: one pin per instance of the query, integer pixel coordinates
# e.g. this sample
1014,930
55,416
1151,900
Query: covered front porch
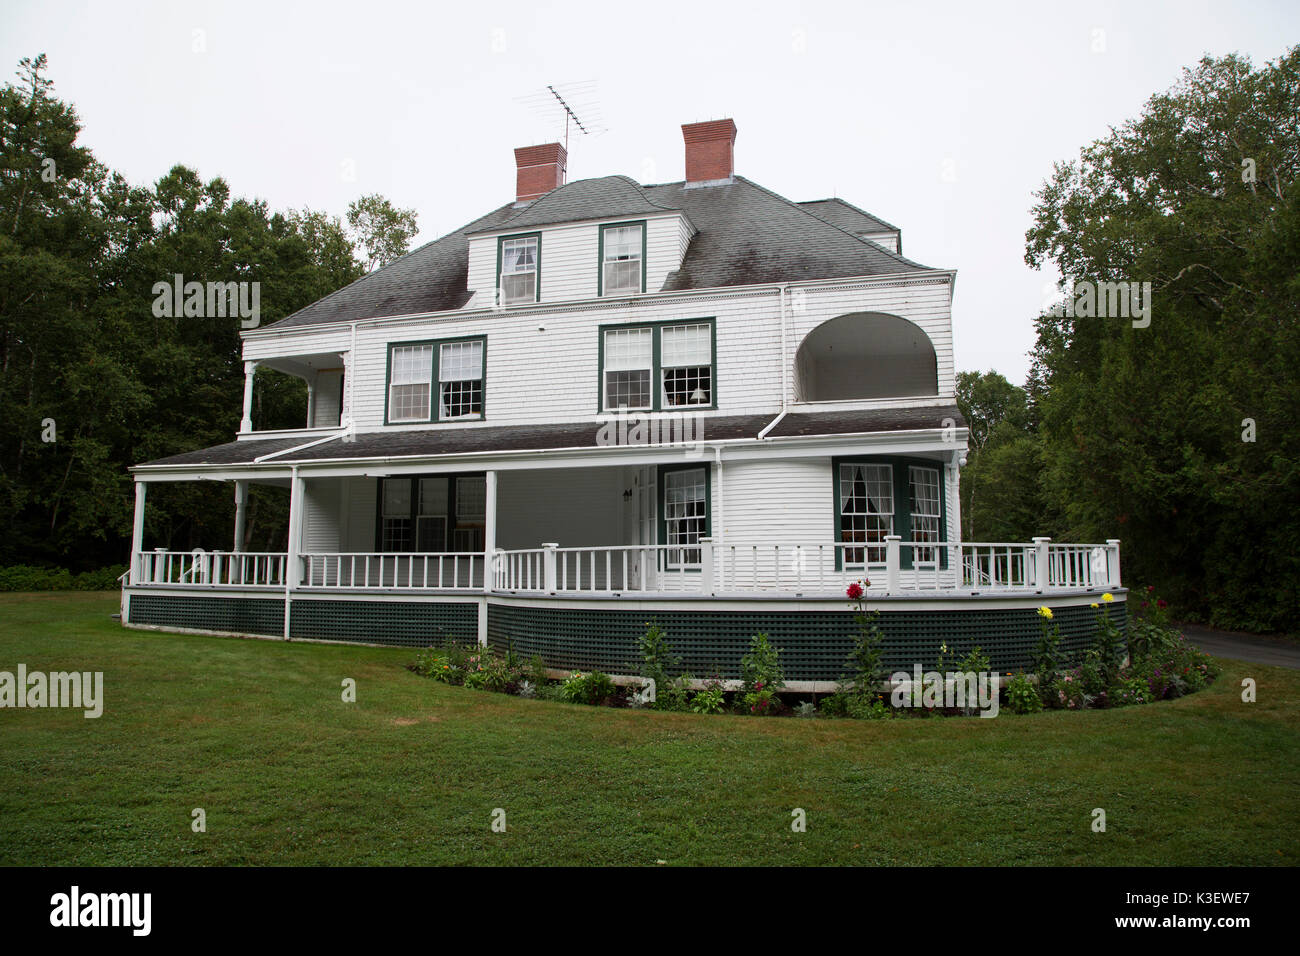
571,563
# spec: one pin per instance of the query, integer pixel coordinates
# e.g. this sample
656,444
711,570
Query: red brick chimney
708,150
539,169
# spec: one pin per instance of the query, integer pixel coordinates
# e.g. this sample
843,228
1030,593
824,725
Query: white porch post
548,565
893,561
241,514
137,534
1041,570
250,369
489,528
1112,563
311,404
292,573
706,565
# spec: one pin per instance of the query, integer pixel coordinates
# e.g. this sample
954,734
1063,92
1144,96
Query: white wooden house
604,403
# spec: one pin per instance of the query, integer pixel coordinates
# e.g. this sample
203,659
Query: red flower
854,591
1150,588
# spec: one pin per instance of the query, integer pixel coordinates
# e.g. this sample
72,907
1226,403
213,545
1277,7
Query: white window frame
617,253
506,270
933,532
677,550
407,378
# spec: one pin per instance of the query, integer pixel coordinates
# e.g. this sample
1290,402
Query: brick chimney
708,150
539,169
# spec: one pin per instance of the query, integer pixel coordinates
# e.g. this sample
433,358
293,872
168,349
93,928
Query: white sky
880,104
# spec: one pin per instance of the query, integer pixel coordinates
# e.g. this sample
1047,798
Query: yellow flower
1045,611
1108,597
1094,604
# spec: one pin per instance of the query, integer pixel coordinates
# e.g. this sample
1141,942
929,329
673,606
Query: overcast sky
940,118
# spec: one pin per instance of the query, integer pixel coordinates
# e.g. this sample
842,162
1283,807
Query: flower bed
1156,663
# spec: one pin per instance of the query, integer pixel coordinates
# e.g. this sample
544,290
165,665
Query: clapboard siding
543,367
321,514
778,501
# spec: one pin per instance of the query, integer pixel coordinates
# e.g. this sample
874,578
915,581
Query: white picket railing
890,566
245,569
360,570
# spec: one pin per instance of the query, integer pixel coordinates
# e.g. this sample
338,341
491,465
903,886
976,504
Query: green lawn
255,733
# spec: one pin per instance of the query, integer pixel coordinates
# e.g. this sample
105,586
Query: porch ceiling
459,440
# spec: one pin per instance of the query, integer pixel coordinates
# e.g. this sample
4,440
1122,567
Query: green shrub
1023,696
869,707
760,669
24,577
834,705
710,700
1128,690
593,688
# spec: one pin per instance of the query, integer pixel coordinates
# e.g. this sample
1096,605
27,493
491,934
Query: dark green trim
656,370
902,503
537,286
435,402
661,488
600,254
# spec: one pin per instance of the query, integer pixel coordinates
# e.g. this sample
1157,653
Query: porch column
706,565
893,560
241,514
1112,563
311,404
292,575
1042,573
489,527
246,425
137,533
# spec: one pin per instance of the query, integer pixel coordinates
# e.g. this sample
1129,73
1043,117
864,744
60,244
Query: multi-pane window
452,371
686,510
686,358
621,268
433,514
629,357
411,375
471,510
395,523
658,367
460,379
925,510
431,520
866,511
519,260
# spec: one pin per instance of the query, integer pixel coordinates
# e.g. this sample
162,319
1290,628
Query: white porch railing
433,571
245,569
892,566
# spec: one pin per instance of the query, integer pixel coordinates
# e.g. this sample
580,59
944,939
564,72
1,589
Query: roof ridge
641,190
845,202
806,212
375,272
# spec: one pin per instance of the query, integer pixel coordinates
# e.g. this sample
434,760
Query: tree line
1176,431
93,379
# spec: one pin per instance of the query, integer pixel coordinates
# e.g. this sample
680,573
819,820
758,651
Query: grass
256,733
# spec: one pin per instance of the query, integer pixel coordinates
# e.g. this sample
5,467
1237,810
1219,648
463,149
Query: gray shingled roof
432,442
610,197
747,235
847,216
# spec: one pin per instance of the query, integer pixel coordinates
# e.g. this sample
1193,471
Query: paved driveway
1244,647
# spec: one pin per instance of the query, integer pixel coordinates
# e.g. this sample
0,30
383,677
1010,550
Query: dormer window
519,258
622,258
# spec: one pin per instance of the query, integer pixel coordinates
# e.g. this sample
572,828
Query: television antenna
578,103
